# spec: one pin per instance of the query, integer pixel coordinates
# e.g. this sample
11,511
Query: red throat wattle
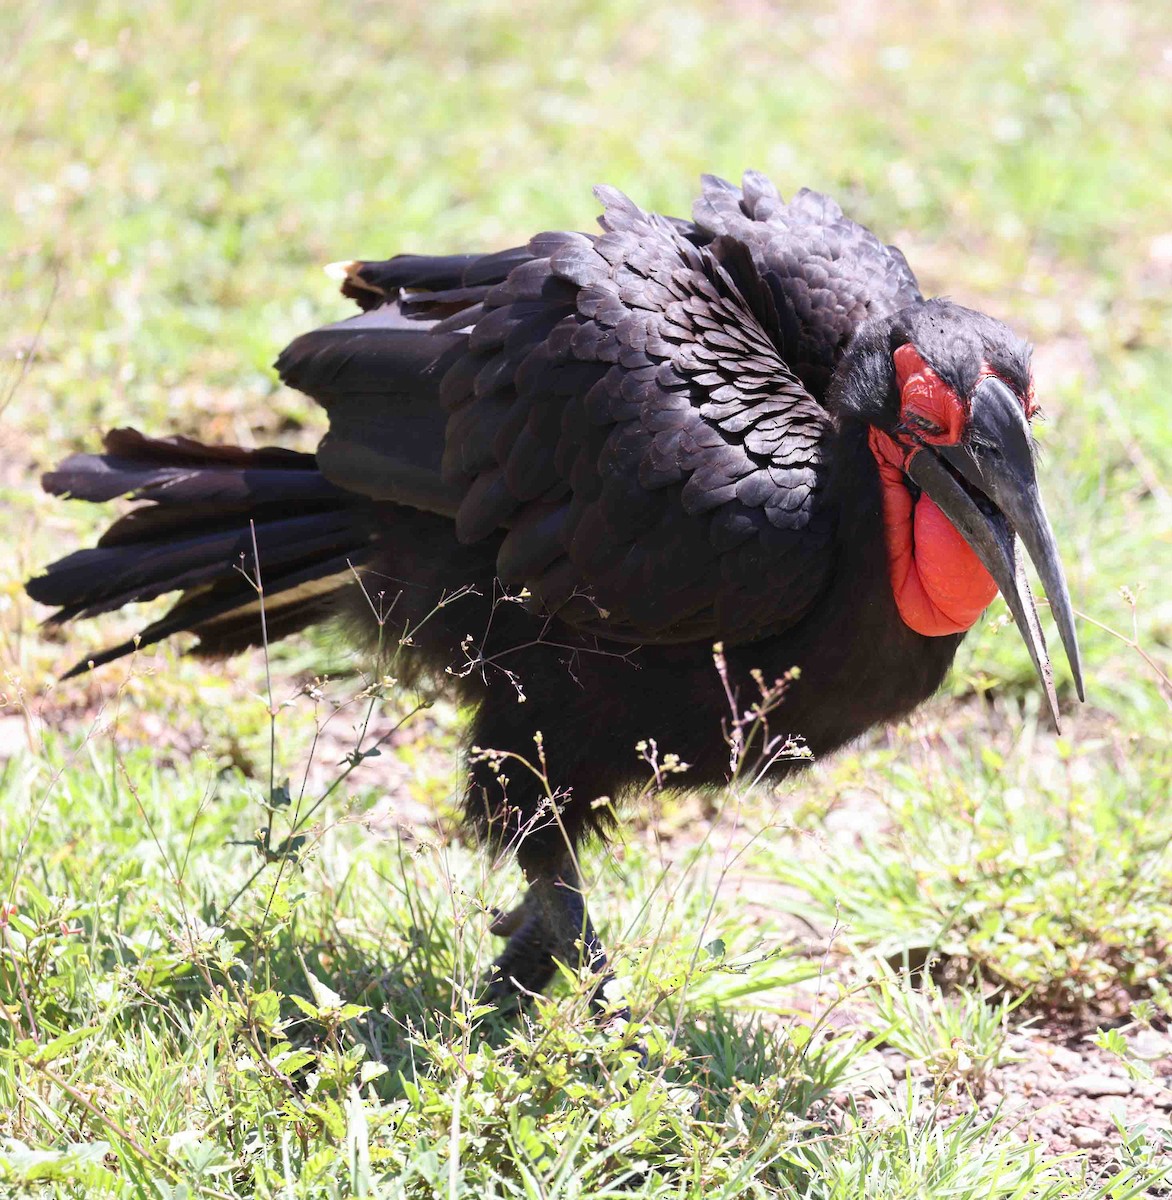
939,583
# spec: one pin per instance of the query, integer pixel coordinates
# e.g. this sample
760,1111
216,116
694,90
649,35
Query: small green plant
958,1038
1116,1041
1050,882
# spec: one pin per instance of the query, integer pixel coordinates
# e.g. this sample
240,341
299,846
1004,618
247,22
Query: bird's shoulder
828,273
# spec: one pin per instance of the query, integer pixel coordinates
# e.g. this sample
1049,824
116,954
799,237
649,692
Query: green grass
181,1017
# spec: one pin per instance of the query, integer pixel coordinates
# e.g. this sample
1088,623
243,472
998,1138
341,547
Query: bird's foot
550,925
525,966
505,924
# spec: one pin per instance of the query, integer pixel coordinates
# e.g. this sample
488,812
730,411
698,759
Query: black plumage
649,439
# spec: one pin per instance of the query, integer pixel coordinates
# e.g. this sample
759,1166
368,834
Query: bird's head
947,398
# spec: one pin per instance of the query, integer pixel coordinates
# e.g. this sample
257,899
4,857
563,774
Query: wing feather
825,273
636,414
655,464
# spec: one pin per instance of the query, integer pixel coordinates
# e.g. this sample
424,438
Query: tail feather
149,522
373,283
182,471
293,601
217,520
89,582
380,353
227,618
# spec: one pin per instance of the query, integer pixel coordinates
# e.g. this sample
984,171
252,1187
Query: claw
505,924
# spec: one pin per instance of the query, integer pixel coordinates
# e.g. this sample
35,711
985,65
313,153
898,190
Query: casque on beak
997,460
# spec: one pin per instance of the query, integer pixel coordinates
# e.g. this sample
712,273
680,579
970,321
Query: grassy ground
195,1008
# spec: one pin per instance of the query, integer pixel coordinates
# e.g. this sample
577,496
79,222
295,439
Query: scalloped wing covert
624,413
827,273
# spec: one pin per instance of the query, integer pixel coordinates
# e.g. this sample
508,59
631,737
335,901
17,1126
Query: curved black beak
997,460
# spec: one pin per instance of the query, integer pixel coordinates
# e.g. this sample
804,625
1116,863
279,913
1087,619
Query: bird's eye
929,406
921,424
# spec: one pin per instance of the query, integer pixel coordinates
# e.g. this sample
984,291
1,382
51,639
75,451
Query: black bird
567,470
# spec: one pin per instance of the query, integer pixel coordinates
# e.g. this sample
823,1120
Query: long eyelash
915,422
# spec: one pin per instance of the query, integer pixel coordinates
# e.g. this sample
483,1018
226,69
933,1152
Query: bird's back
827,272
640,412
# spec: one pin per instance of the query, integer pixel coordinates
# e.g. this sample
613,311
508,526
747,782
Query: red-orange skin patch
925,397
939,583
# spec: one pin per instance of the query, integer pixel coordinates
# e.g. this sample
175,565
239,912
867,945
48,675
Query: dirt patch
1060,1091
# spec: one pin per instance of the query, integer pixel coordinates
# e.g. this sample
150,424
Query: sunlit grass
175,175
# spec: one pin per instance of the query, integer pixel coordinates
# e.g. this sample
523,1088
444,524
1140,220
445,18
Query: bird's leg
525,965
563,906
551,923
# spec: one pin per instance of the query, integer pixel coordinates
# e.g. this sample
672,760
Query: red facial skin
939,583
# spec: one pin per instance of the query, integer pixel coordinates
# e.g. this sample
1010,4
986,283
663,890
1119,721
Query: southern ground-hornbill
570,468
